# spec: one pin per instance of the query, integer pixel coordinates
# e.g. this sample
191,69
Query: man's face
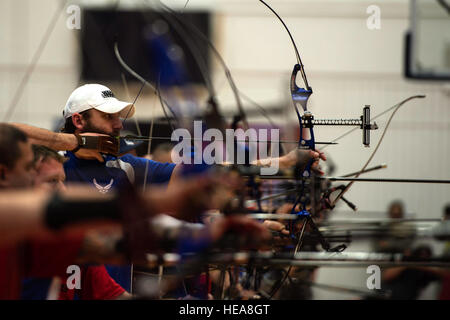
23,173
396,212
101,122
50,174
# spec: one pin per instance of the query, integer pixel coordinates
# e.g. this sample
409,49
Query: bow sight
300,97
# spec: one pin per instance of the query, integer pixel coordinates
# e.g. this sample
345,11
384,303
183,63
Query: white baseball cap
96,96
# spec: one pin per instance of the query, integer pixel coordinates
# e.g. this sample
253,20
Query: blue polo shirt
110,174
115,170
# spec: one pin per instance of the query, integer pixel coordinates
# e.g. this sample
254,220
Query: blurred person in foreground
36,239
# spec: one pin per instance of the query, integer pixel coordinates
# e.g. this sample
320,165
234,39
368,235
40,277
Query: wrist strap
103,144
80,142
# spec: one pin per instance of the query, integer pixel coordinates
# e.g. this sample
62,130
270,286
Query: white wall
347,65
22,26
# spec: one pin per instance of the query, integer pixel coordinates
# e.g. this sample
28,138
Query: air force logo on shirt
119,164
103,189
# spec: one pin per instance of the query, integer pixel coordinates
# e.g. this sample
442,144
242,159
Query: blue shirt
115,170
109,175
35,288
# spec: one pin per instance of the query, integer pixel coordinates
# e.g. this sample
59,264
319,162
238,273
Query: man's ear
78,121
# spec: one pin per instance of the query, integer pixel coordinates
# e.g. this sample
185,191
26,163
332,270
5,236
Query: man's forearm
54,140
21,214
281,162
296,157
102,247
29,213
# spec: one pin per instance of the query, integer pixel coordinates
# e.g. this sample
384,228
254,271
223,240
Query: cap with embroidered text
99,97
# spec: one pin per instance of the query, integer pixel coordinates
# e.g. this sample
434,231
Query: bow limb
300,98
127,91
142,80
228,75
156,91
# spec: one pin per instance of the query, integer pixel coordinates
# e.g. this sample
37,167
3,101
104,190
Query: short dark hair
42,153
68,124
398,204
10,137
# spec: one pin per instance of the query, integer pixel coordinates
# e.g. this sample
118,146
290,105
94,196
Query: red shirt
445,289
10,273
43,258
96,284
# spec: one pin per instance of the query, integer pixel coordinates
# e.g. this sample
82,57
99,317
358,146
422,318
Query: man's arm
21,214
296,156
175,176
102,247
94,143
124,296
53,140
186,198
35,212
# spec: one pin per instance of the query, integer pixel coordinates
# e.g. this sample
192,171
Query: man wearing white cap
93,108
101,99
93,116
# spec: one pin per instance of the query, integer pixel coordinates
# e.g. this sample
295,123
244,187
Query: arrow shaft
363,179
197,139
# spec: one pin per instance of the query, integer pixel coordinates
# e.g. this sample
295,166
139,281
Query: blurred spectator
163,153
406,283
49,168
397,236
396,210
